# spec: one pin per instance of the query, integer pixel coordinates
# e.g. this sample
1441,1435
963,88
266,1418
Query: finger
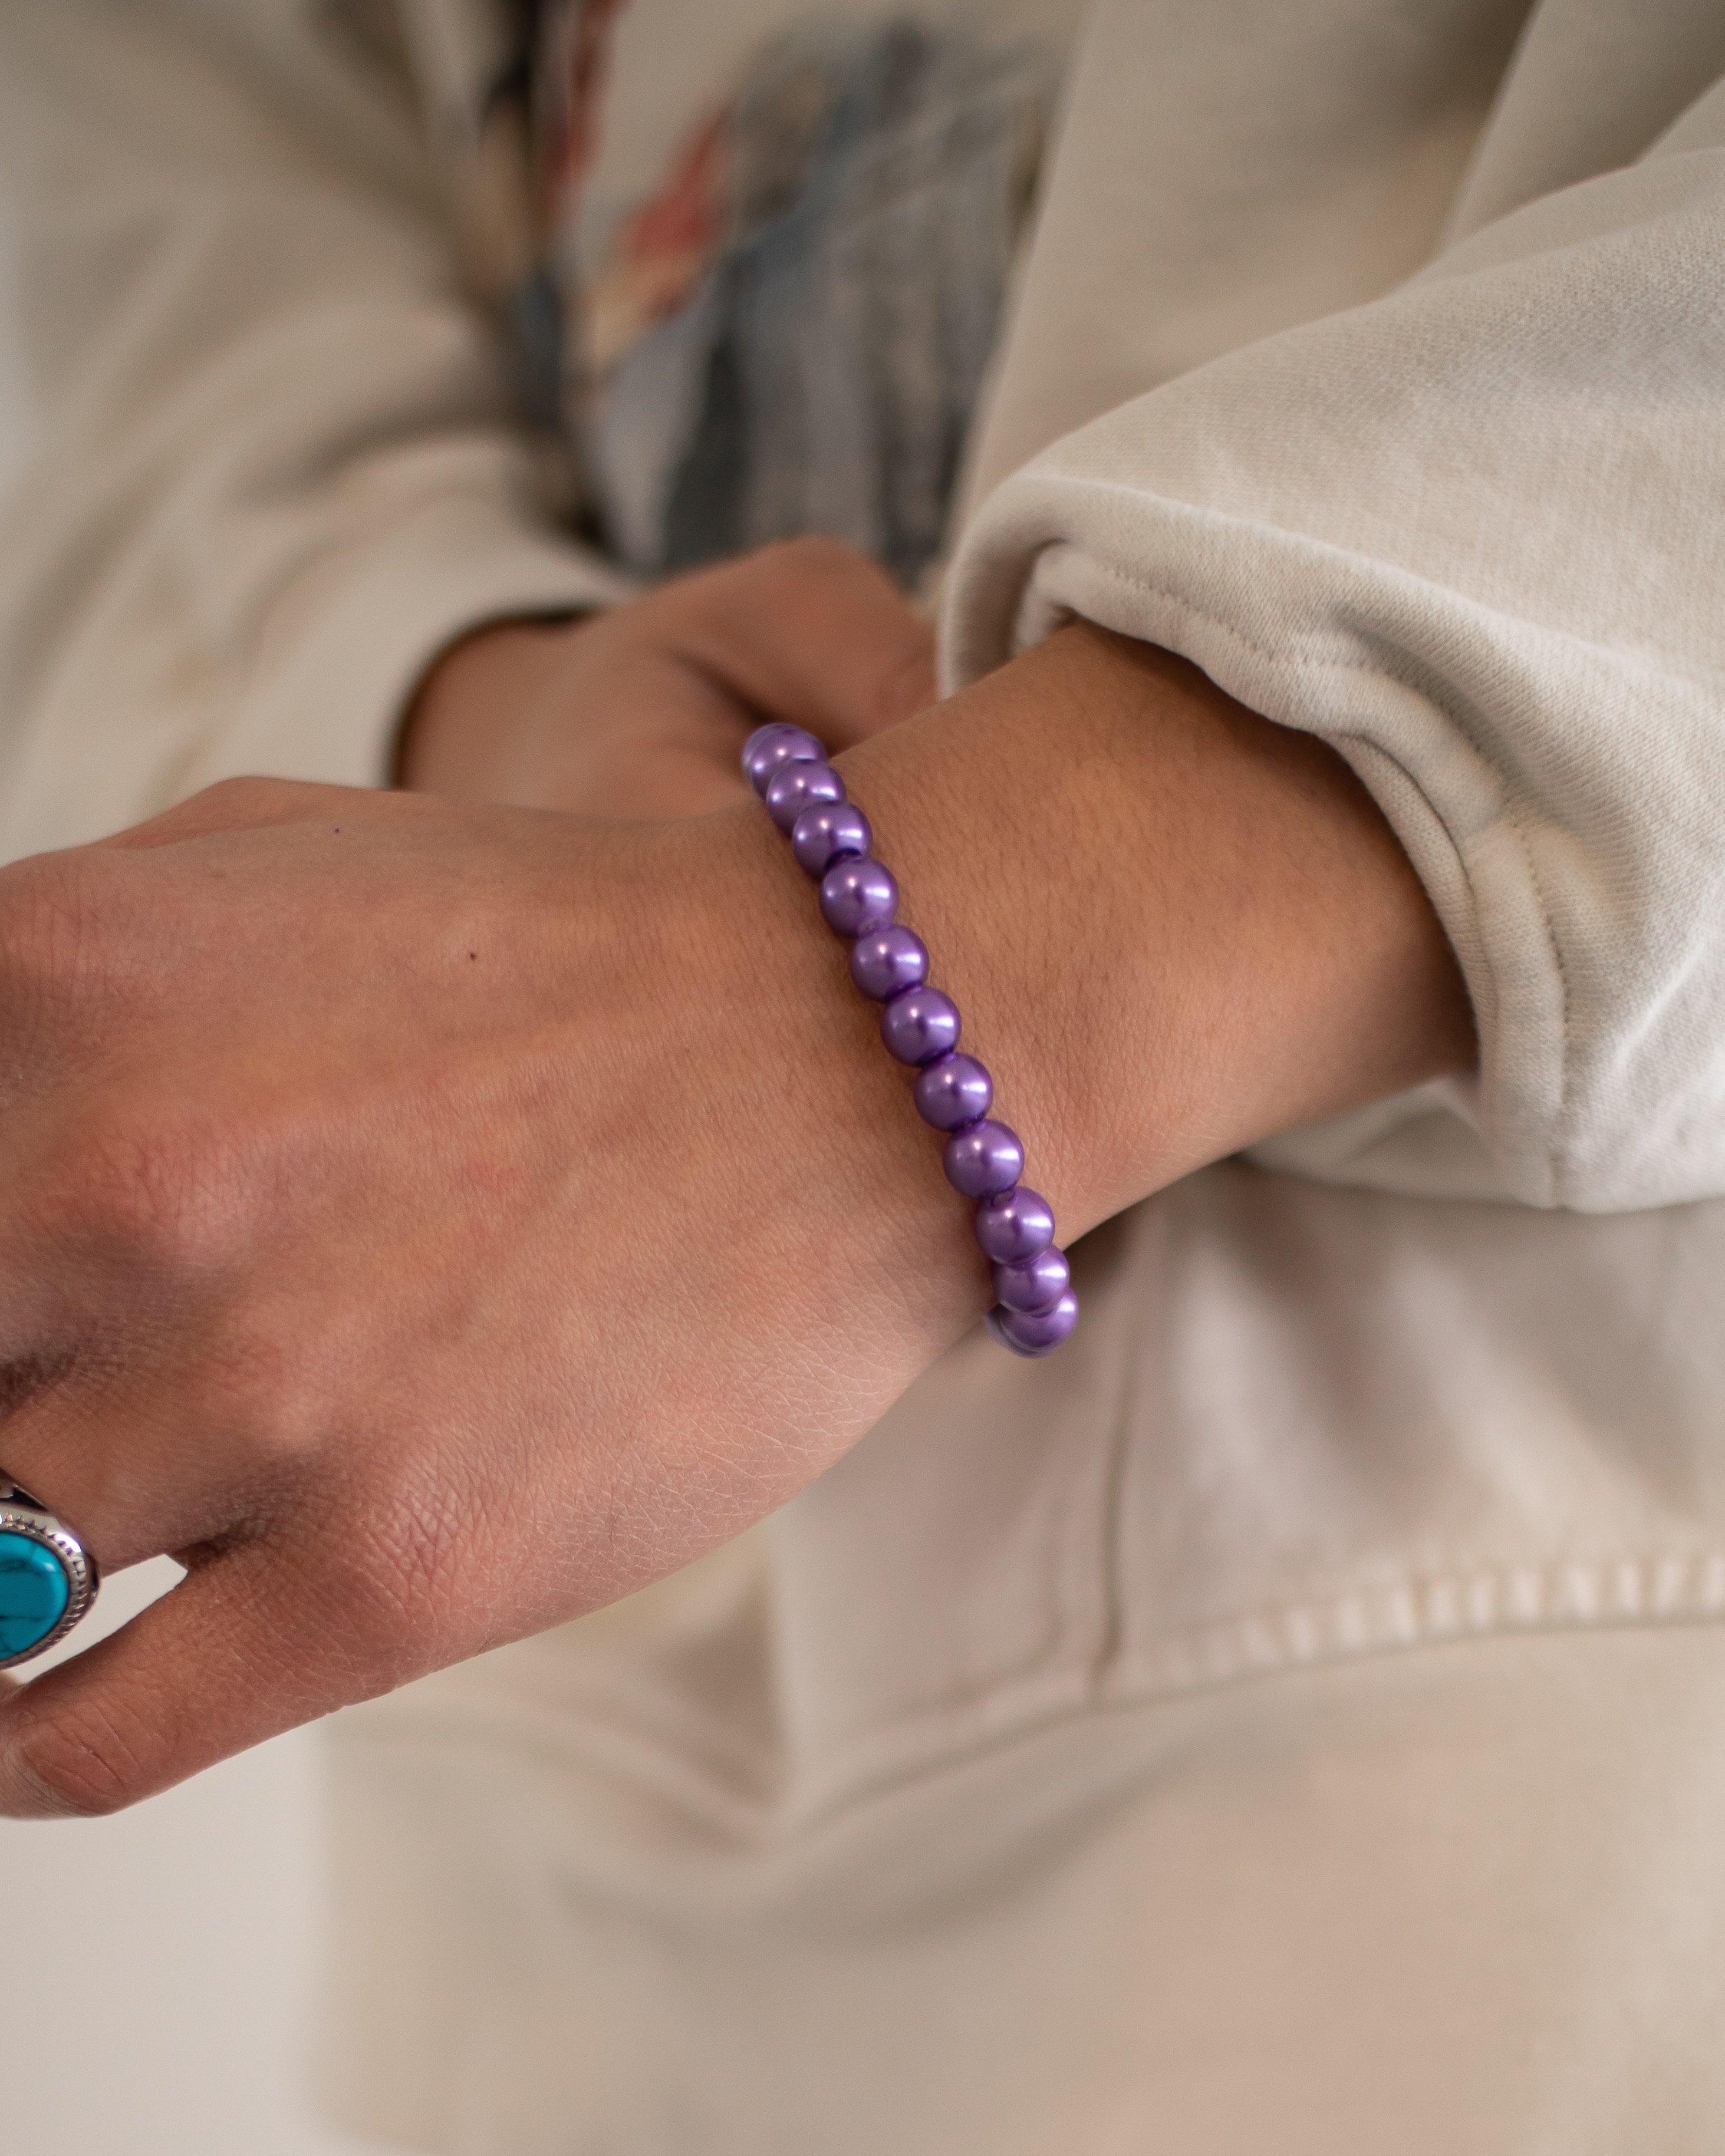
119,1465
227,1659
813,632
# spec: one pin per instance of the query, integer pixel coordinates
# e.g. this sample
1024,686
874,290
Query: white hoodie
1055,1774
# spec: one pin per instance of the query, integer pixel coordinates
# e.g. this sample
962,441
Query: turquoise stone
35,1591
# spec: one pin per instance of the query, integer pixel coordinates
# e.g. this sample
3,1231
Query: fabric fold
1467,534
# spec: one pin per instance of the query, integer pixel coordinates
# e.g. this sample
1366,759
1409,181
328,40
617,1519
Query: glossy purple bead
887,961
919,1025
831,831
795,787
767,747
986,1158
1035,1332
953,1090
857,894
1016,1225
1037,1283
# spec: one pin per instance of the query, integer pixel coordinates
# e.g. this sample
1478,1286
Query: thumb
221,1661
811,631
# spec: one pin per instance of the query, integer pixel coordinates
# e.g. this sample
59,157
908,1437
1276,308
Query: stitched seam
1150,1689
1113,1521
762,1818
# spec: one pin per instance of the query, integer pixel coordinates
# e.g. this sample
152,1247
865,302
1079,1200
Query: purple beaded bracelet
830,837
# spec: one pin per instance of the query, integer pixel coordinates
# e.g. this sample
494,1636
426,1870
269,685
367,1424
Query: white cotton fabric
1468,533
274,474
1288,1719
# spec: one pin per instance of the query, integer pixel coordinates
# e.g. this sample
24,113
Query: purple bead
857,894
953,1090
919,1025
1035,1332
795,787
831,831
887,960
1037,1283
1016,1225
767,747
984,1158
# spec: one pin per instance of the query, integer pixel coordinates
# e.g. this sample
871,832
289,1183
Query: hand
640,712
429,1224
426,1225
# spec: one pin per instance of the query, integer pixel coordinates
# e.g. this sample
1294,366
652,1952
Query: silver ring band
48,1580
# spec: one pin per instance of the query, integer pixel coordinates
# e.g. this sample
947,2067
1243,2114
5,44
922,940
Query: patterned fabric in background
789,335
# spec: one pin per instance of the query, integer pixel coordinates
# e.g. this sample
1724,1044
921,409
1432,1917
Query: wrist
1174,927
447,736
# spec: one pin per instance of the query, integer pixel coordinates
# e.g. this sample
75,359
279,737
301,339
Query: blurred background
155,1984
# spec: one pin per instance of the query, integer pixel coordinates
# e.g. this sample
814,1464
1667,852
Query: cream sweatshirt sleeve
1472,534
275,470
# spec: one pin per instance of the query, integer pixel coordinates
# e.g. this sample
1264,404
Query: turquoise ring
48,1580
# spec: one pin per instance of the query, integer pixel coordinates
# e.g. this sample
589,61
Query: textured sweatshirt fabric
1289,1718
1468,531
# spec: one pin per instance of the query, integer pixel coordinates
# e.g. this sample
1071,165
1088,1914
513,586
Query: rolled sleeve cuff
345,650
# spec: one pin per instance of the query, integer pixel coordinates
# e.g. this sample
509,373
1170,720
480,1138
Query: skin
573,1208
640,713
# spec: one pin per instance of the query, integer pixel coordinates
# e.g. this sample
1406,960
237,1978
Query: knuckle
426,1545
155,1189
812,556
85,1762
402,1587
247,799
266,1393
245,1388
432,1530
48,909
783,572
